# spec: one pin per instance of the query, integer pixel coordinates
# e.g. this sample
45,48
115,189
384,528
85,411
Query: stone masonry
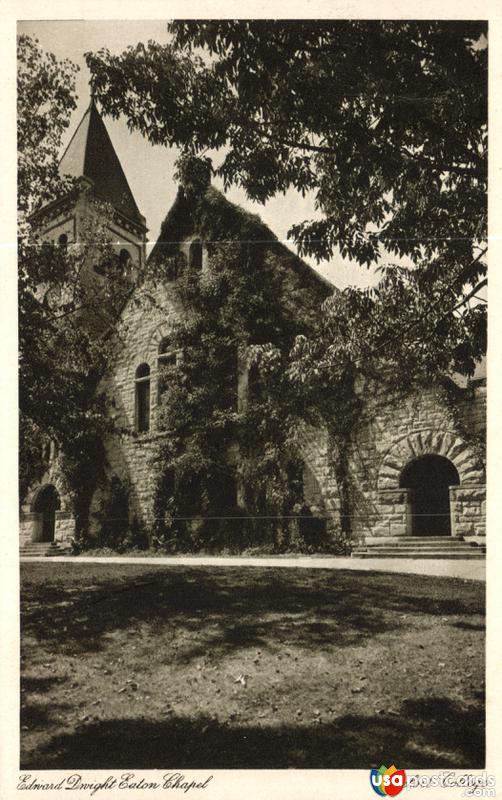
445,420
397,432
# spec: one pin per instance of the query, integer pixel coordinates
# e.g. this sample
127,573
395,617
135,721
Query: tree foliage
45,100
63,312
385,123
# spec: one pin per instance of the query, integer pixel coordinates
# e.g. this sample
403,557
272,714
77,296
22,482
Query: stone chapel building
417,464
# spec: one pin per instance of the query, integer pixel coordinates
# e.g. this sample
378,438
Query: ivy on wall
229,457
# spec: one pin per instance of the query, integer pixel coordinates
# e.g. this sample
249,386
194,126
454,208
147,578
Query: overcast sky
149,169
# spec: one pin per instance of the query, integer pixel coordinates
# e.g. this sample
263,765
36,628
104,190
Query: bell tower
99,199
91,160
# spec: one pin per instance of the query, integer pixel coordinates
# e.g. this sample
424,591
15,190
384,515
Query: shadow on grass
470,626
73,610
433,733
39,684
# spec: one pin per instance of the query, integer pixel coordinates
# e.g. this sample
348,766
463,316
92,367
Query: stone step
373,541
405,548
421,547
423,538
454,555
446,550
428,545
39,545
42,549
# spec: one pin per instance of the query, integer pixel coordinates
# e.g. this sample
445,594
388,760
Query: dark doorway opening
47,503
429,479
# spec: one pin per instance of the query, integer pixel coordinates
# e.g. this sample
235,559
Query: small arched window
142,395
167,357
124,260
63,241
195,255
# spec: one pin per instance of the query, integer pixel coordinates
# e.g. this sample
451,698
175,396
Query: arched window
63,241
166,358
124,260
142,391
195,255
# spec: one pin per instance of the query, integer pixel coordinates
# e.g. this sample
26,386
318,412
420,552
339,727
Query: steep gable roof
91,154
189,213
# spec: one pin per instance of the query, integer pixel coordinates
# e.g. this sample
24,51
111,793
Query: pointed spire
91,154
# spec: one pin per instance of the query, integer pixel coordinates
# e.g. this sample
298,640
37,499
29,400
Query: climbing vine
455,399
229,456
311,355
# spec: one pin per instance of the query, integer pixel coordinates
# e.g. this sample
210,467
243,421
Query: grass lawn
249,667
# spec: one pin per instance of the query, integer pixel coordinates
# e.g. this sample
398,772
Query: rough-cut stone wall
468,505
30,525
472,409
396,432
144,323
393,432
65,527
320,486
129,454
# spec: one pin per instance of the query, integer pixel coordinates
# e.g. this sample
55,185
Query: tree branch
431,308
325,150
464,300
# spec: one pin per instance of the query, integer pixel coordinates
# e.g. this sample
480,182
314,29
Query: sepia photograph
252,307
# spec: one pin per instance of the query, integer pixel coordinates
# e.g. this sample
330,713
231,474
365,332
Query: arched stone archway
46,514
45,503
466,497
428,479
429,442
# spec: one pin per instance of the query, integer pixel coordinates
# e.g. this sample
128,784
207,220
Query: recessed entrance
428,480
46,504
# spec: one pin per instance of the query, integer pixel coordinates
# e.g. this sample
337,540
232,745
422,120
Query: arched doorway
46,504
428,479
